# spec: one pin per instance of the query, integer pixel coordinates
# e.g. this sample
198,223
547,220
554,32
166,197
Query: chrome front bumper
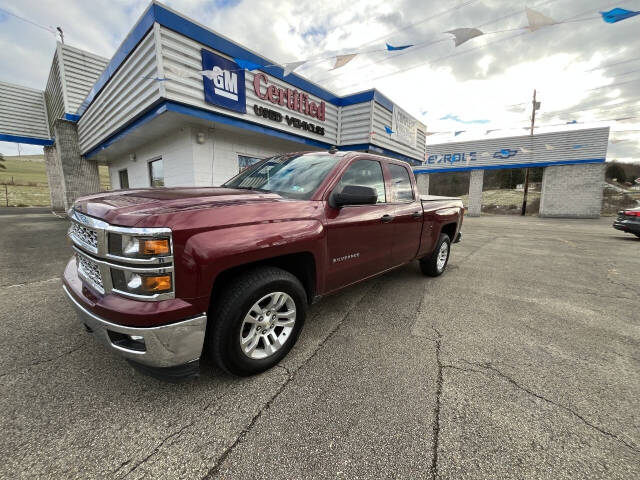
165,346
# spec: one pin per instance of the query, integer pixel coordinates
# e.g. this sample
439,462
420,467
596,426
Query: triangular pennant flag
431,133
342,60
492,130
291,66
524,150
618,140
576,147
458,132
179,72
461,35
617,14
212,74
623,118
485,154
538,20
548,147
571,122
246,64
401,47
387,129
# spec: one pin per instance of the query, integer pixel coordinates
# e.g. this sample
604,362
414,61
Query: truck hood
172,207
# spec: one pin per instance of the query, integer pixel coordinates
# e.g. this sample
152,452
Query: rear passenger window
365,173
400,183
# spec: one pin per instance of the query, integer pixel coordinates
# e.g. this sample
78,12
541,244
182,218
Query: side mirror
354,195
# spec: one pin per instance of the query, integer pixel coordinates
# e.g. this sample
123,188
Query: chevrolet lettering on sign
224,85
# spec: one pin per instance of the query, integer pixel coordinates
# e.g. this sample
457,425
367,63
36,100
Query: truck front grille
83,235
90,270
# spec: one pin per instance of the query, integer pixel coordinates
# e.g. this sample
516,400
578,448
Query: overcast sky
486,83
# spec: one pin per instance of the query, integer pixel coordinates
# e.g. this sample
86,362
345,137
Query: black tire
429,265
227,315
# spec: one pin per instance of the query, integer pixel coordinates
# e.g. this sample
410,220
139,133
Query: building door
408,215
124,178
359,236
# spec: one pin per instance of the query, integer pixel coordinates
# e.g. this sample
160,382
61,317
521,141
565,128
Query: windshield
296,176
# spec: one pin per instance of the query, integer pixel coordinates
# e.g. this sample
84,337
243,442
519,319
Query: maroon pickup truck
162,275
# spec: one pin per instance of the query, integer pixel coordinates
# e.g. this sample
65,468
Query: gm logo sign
224,83
505,153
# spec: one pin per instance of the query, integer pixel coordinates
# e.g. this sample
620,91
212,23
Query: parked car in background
628,221
160,274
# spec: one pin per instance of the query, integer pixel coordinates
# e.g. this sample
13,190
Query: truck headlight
134,246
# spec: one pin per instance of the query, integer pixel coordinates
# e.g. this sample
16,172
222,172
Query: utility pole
536,106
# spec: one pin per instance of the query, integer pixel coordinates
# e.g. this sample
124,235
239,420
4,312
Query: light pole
536,106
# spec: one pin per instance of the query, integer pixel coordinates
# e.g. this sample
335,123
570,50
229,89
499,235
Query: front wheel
256,320
436,263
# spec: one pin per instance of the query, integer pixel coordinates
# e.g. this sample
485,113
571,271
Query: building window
156,173
124,178
245,161
400,183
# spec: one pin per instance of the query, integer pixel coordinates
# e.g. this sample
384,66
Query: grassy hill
24,181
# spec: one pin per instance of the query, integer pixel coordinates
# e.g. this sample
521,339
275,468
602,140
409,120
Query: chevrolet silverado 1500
162,275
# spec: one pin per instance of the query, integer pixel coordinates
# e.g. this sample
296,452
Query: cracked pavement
521,361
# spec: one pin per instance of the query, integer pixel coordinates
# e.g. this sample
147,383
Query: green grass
26,181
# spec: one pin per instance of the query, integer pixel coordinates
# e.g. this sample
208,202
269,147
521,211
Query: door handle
416,214
386,218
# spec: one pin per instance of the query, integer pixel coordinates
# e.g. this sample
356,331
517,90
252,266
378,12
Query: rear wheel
436,263
256,320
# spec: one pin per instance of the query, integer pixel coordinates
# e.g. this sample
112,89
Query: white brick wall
475,192
188,163
422,180
572,191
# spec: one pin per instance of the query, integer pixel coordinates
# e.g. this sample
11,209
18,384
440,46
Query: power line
35,24
426,43
388,35
468,50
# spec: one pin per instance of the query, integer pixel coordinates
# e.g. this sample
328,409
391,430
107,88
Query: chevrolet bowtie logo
505,153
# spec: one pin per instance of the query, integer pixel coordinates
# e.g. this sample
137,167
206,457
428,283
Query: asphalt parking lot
521,361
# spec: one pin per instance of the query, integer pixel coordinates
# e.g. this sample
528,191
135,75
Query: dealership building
573,162
173,108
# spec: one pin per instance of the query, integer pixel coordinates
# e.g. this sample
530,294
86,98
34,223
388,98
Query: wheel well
450,230
302,265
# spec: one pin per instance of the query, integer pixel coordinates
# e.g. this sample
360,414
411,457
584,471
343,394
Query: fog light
154,247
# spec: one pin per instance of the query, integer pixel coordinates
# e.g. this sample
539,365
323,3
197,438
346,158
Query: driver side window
365,173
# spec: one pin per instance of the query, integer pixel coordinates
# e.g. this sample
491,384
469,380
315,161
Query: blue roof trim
379,150
236,122
27,140
169,106
127,129
179,24
513,165
71,117
130,42
366,96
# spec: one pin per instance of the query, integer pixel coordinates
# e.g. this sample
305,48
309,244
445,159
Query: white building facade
151,115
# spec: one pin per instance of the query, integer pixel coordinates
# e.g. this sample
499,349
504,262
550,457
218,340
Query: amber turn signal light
156,284
154,247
